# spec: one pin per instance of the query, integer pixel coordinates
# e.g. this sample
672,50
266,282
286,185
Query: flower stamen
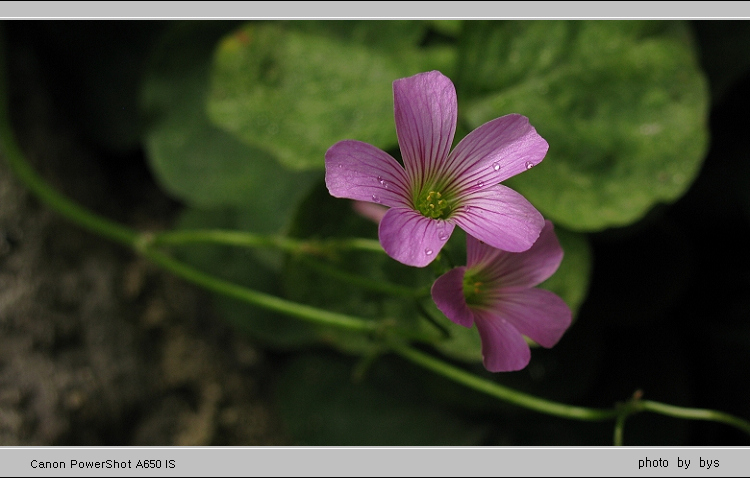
433,205
474,290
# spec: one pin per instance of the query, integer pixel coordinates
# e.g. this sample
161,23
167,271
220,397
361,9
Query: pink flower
495,291
437,189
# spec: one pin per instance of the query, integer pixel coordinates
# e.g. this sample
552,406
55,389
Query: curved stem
530,402
56,201
71,210
693,414
267,301
230,238
506,394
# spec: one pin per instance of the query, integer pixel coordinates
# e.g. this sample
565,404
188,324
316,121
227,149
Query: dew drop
375,198
428,252
341,166
442,235
480,184
529,165
380,180
496,166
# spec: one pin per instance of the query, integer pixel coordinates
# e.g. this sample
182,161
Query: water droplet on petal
380,180
341,166
442,235
529,165
480,184
375,198
496,166
428,252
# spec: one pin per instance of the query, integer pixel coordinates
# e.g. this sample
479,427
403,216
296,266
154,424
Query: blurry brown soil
97,346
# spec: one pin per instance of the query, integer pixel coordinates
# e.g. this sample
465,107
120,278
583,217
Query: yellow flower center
475,289
433,205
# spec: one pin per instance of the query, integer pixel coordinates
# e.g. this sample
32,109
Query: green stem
364,282
69,209
230,238
619,429
248,239
39,187
693,414
530,402
499,391
128,237
294,309
294,246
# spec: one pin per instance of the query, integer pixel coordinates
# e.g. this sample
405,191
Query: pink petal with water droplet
494,152
501,218
360,171
411,238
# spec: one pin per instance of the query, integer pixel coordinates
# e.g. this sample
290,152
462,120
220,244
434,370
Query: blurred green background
646,181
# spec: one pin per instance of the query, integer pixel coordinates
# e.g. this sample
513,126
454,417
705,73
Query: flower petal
494,152
480,257
500,217
425,108
360,171
503,347
517,269
448,294
412,238
536,313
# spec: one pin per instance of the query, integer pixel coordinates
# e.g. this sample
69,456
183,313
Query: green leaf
296,89
623,106
392,37
449,28
192,158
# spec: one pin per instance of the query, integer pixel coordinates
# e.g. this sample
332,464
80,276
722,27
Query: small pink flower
438,189
496,291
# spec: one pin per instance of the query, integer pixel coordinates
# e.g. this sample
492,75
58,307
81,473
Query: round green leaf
296,93
623,106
